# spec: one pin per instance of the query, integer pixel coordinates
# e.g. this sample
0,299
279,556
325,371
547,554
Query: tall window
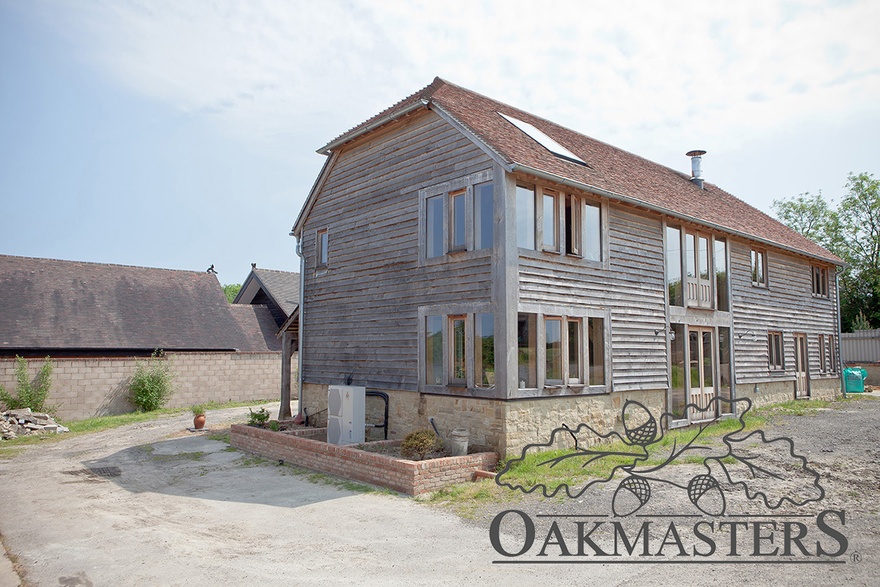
458,360
483,216
722,290
434,245
724,369
678,368
484,350
673,266
553,350
434,350
775,351
592,231
820,282
597,351
551,223
527,355
323,242
456,221
575,342
759,268
525,217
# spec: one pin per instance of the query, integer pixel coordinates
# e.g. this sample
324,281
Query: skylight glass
543,140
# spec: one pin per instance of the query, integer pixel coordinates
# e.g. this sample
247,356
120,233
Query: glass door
702,370
802,386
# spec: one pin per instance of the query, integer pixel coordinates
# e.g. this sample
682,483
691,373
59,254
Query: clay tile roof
76,306
610,171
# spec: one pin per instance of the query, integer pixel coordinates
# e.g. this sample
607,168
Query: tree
852,232
231,290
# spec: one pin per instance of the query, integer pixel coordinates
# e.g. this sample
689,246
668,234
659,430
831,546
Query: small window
323,241
573,233
484,350
551,222
673,266
457,341
823,354
832,355
596,351
592,232
434,233
759,268
575,362
553,350
775,351
484,197
722,292
527,344
457,222
525,218
434,350
543,139
820,282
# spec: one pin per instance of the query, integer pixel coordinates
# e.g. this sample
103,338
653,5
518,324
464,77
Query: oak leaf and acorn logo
766,470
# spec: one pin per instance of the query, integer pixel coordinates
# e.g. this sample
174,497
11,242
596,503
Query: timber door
702,363
802,385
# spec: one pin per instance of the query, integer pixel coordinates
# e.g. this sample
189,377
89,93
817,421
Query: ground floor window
700,369
459,350
827,364
563,343
775,351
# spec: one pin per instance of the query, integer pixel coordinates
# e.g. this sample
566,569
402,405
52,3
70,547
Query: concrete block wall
86,387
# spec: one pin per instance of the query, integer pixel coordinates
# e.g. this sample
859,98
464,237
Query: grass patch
800,407
102,423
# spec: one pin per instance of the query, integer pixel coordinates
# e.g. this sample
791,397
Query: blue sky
183,134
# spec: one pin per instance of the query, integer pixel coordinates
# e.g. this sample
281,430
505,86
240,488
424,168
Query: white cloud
651,74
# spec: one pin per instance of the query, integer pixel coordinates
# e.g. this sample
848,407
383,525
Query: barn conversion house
498,272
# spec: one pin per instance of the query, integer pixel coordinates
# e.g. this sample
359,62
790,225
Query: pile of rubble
15,423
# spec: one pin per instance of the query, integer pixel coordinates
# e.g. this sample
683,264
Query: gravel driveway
153,504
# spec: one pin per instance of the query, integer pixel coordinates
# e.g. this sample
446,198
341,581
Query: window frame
584,380
453,378
775,351
759,279
322,246
820,285
443,247
446,317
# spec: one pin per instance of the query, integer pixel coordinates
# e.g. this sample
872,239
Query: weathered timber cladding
632,287
786,305
362,311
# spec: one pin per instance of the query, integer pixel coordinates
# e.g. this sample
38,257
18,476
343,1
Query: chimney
696,172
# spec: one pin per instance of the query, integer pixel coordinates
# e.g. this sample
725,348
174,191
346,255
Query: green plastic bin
854,379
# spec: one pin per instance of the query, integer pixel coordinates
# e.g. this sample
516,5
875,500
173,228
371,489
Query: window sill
557,257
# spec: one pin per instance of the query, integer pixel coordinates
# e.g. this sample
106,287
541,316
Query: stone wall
773,392
502,426
87,387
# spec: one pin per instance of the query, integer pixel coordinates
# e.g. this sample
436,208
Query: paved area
153,504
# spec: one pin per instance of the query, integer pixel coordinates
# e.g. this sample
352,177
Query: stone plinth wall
411,477
502,426
87,387
774,392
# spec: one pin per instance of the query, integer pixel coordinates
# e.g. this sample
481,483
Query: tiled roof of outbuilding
610,171
71,305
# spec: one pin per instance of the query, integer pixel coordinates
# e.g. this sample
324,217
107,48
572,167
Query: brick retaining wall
411,477
87,387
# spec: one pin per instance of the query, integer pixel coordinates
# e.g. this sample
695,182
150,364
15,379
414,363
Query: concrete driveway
152,504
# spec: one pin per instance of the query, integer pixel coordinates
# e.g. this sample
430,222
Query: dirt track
151,504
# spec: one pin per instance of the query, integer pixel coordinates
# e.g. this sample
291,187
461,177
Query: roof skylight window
542,139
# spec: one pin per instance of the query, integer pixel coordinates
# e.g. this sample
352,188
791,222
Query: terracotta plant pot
199,422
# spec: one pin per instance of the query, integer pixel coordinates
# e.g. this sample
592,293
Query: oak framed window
820,281
775,351
572,352
560,223
322,242
759,268
457,217
458,350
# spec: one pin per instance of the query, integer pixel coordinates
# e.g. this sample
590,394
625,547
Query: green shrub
199,409
418,444
151,384
274,426
29,394
258,418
